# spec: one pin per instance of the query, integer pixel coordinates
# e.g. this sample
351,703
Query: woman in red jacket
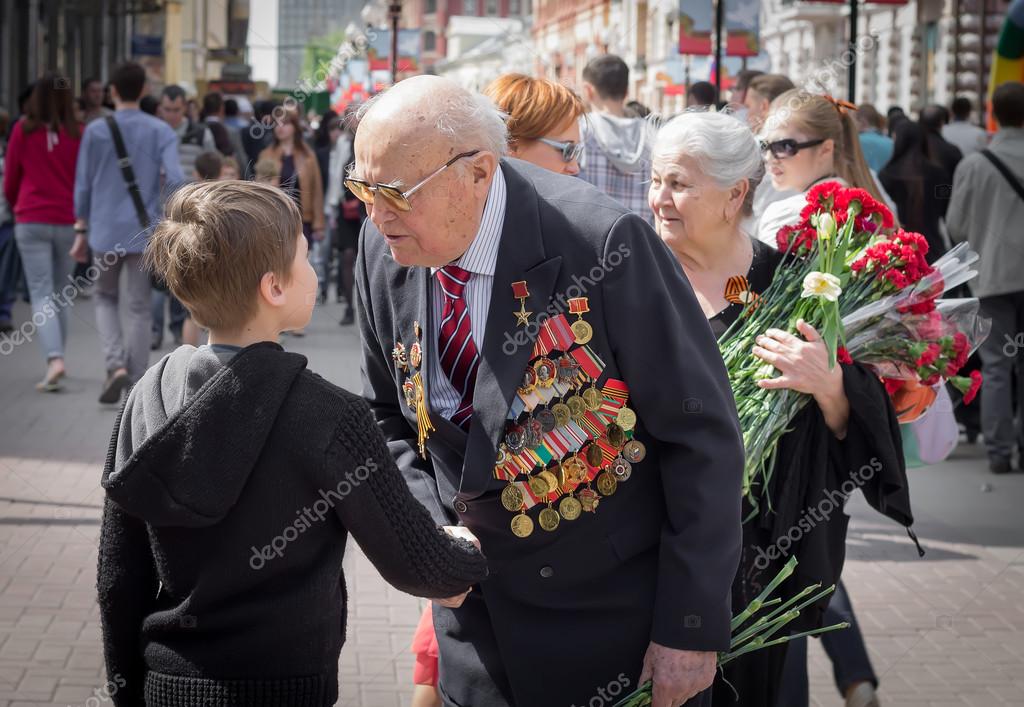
39,182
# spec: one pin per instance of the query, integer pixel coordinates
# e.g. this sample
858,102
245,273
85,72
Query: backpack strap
1009,176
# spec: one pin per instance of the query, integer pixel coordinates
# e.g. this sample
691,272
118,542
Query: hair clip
840,105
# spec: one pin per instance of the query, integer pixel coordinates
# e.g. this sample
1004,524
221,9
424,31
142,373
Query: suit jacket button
547,572
460,505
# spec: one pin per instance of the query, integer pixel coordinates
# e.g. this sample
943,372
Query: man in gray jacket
987,210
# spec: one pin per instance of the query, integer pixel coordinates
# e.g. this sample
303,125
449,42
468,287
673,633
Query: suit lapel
505,355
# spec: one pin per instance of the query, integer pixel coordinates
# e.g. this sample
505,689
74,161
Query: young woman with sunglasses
808,139
543,121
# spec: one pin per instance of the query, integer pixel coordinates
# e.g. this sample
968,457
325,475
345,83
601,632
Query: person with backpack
127,165
986,209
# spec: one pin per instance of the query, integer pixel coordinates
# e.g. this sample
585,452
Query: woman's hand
804,368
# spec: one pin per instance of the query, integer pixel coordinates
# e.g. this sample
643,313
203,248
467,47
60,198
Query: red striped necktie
458,354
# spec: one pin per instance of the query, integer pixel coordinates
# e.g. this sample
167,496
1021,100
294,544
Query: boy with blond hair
235,475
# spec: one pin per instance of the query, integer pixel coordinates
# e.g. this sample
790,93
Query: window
431,7
429,41
492,8
469,7
514,7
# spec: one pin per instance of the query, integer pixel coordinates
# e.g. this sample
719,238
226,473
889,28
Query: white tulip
822,284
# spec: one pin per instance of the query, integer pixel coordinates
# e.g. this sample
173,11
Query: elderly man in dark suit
548,383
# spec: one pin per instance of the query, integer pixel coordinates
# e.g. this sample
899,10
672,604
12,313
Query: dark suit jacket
572,609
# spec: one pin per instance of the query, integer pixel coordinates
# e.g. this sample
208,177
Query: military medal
562,414
512,497
515,439
534,434
400,357
589,499
423,424
545,370
595,457
592,398
567,369
576,406
550,479
547,420
634,451
622,469
539,485
502,456
549,518
582,331
616,435
529,381
575,471
415,354
522,524
626,418
606,483
409,390
570,508
520,292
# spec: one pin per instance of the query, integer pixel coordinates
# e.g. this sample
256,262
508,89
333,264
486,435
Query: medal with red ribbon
580,329
521,292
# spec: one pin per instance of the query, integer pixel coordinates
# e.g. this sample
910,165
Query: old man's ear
484,164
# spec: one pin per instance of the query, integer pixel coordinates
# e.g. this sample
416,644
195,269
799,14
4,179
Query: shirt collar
481,258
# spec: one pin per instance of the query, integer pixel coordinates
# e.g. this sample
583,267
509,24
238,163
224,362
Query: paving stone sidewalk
946,629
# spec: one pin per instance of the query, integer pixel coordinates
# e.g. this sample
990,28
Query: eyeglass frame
563,147
404,195
797,146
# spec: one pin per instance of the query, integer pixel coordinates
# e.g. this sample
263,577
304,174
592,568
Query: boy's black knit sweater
231,488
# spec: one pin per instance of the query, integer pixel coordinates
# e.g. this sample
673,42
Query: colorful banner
696,23
379,51
742,23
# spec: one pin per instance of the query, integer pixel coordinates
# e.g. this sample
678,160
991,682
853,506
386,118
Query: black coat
565,613
231,490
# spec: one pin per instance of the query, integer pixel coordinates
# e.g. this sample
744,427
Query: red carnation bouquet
869,290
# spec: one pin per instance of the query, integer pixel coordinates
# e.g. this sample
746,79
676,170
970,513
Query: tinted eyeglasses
570,150
392,195
787,147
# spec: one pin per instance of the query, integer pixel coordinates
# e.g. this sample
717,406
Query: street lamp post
852,68
394,14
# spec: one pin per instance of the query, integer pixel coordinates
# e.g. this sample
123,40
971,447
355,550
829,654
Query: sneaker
116,382
998,465
349,317
156,341
863,695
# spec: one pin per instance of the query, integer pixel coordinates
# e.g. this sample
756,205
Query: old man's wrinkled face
446,210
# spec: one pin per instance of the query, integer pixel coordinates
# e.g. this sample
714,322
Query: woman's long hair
298,143
322,138
52,105
820,118
910,158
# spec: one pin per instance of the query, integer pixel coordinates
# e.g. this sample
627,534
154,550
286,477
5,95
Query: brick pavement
947,629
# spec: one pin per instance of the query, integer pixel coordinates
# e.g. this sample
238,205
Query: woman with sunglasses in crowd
543,121
809,139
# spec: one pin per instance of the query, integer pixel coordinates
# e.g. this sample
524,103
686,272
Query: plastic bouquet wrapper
849,273
758,626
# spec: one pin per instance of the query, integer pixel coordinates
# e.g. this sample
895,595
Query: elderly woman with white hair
705,168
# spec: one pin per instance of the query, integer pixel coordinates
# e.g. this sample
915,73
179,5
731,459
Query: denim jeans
1002,359
128,348
10,270
178,312
48,266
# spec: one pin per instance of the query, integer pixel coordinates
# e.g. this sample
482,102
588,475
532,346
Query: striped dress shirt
480,259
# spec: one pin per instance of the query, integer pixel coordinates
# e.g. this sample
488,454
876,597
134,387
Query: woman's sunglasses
392,195
570,150
787,147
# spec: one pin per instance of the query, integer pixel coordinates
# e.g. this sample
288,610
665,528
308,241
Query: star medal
522,524
520,292
416,354
575,471
409,390
549,518
512,497
606,483
621,469
567,369
400,357
626,418
582,331
634,451
545,370
570,508
589,499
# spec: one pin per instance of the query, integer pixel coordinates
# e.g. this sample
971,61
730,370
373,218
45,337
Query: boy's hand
463,532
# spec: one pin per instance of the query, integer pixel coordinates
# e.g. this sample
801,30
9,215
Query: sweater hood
625,141
192,431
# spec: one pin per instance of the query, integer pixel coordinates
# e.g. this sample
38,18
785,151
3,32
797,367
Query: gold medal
634,451
545,370
549,518
570,508
592,398
539,485
551,480
626,418
595,457
512,497
582,331
616,435
409,391
529,381
589,500
575,471
606,483
520,291
562,414
522,525
576,406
